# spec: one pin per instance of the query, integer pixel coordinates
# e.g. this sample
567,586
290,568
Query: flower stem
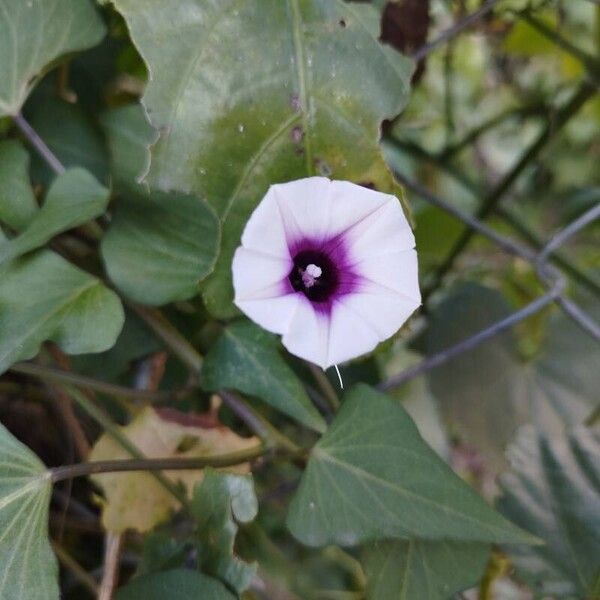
325,386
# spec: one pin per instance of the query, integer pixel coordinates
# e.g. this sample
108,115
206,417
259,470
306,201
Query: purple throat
321,270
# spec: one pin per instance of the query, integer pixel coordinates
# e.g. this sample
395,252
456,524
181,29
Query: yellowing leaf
136,500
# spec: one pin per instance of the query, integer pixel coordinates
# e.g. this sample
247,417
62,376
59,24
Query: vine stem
60,376
167,332
218,461
38,143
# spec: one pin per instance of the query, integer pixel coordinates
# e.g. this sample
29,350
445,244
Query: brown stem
156,464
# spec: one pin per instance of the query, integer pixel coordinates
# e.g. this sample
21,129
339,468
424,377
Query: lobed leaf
372,477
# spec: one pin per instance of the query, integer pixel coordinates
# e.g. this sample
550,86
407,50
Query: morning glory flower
329,265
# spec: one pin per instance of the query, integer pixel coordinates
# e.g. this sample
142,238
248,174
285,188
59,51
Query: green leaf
161,246
371,477
421,570
220,502
129,136
43,297
553,488
28,567
179,583
33,34
70,133
559,386
239,109
246,358
74,199
17,202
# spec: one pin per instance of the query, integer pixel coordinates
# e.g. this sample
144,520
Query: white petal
353,203
264,231
308,333
305,207
257,275
384,311
274,314
397,272
349,335
382,232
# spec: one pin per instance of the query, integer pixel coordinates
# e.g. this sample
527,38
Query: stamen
310,275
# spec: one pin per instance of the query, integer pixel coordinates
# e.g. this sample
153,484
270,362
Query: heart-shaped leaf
74,198
28,567
553,488
246,358
371,476
239,109
44,297
420,570
33,34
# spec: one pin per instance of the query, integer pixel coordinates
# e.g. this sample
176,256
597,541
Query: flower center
315,275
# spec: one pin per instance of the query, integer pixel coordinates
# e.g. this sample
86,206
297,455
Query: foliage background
501,123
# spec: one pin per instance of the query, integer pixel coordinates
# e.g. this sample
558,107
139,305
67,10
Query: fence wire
554,280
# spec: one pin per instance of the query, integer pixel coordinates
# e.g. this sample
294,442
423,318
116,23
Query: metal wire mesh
554,280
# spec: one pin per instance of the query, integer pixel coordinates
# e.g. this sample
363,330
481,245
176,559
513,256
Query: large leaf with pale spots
139,501
372,477
33,34
240,107
28,568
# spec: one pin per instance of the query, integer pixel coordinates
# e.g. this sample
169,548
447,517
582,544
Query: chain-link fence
553,271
